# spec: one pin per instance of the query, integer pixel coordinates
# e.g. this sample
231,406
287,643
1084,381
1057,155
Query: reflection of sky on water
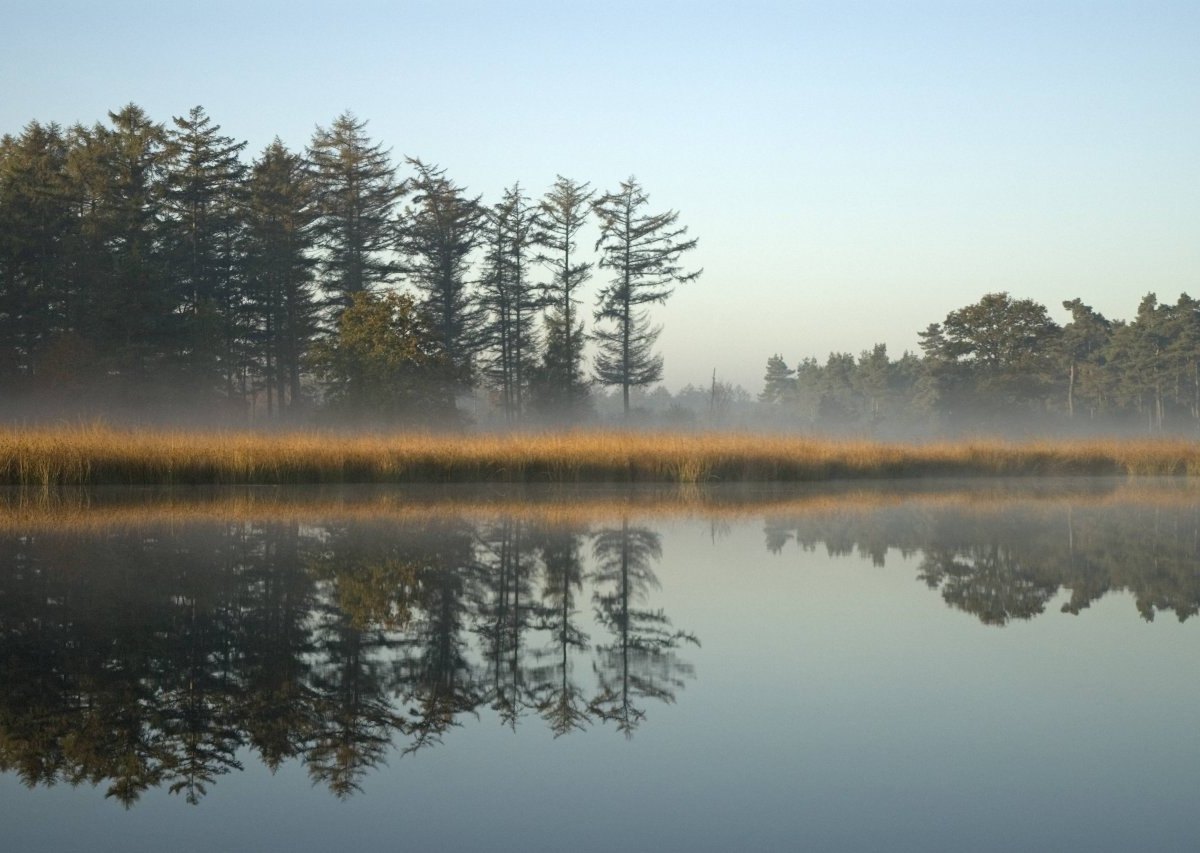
834,704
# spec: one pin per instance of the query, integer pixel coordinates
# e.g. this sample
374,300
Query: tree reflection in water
157,655
150,655
1008,561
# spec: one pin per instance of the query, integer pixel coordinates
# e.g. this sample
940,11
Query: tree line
1003,361
150,264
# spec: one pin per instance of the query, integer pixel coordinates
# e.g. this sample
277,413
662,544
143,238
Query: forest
156,270
146,267
1004,363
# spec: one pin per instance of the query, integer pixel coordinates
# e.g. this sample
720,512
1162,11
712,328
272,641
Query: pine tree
643,252
204,228
280,216
510,299
561,215
35,226
133,323
779,383
1081,346
356,197
438,232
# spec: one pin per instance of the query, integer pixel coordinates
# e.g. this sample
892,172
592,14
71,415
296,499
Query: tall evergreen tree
280,216
779,383
204,206
356,197
510,299
1082,346
437,234
133,324
35,226
643,251
561,215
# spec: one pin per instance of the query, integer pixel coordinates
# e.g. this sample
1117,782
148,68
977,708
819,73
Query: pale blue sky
854,171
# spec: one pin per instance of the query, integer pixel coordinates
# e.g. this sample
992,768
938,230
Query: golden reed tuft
99,455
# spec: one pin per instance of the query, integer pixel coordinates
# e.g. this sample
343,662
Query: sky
853,170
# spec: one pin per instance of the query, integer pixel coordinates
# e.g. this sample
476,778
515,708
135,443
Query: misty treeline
1003,362
148,265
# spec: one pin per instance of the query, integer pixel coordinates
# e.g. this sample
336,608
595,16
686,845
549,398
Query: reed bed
97,455
24,511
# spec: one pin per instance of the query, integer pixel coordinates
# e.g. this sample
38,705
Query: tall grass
71,509
99,455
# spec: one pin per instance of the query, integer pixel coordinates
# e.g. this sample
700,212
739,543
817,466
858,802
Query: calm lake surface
945,666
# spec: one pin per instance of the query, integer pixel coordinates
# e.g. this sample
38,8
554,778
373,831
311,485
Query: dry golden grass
99,455
73,509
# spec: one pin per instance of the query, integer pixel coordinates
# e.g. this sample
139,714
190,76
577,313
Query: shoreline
93,456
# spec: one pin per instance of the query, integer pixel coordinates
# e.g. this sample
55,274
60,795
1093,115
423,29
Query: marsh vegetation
99,455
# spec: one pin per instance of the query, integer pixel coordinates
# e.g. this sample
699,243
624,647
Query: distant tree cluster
147,265
1005,362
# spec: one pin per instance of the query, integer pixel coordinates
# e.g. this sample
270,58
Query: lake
977,665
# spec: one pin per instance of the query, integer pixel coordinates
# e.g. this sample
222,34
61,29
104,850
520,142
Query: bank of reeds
77,509
96,455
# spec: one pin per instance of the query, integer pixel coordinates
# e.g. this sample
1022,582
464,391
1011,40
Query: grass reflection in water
158,640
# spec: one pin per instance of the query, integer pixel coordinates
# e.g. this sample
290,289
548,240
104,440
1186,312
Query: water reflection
147,657
1007,560
164,654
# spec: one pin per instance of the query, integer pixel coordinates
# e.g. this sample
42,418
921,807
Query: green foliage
356,189
437,233
994,354
202,233
280,215
643,251
511,301
562,388
779,381
384,362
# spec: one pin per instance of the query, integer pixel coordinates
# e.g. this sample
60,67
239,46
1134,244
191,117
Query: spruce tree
779,383
35,226
561,215
356,196
133,324
280,289
204,229
437,234
643,251
510,299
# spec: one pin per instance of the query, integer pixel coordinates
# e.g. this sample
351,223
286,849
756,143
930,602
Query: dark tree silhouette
643,252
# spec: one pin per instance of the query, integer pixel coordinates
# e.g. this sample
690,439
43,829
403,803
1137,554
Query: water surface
946,666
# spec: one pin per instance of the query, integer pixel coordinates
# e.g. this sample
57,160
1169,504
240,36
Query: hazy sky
853,171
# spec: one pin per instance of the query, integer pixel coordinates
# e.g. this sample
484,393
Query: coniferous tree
562,386
204,206
35,227
357,192
1082,346
779,383
1139,348
438,232
510,299
134,323
280,215
994,354
643,252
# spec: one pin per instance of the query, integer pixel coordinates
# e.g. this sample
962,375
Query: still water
987,666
